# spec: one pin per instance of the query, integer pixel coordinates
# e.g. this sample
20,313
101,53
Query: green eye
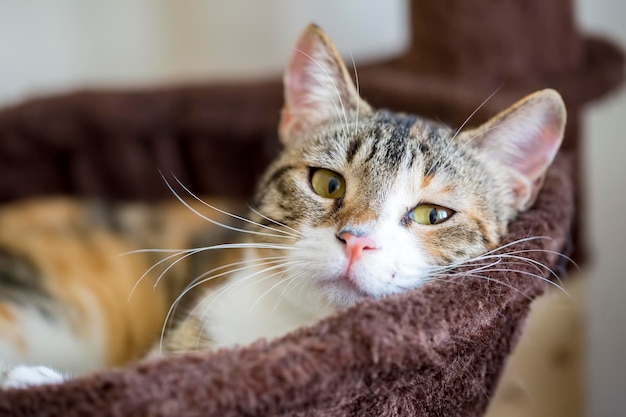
328,184
430,214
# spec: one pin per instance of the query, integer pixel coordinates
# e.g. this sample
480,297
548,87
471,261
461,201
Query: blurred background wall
54,45
60,45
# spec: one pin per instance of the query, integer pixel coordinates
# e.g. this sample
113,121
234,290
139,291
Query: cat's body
363,203
67,297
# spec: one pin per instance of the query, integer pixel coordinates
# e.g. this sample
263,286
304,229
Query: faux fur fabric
435,351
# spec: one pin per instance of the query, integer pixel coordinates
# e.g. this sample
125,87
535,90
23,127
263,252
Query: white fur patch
53,341
256,304
24,376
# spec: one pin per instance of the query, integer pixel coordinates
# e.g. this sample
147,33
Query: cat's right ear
524,139
318,87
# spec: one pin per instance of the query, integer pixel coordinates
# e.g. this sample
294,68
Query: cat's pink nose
355,245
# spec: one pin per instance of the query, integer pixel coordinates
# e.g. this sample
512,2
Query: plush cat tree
437,351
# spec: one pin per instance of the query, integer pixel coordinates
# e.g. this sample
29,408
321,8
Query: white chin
343,293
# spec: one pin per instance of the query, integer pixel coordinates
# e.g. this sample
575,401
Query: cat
360,203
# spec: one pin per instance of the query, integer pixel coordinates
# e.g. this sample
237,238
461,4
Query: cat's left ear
318,87
524,139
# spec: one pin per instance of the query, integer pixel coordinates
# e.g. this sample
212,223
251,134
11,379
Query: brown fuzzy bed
436,351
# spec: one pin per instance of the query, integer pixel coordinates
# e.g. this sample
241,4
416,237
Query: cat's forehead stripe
353,147
398,139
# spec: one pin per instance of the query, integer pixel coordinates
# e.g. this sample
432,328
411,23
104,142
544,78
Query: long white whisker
480,257
234,216
521,258
242,281
292,279
343,109
522,240
559,254
497,281
281,281
149,270
534,276
195,282
358,91
220,246
459,130
247,261
470,140
474,112
203,281
170,266
202,216
299,233
445,268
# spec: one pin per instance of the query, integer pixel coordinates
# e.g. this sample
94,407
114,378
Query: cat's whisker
243,280
276,246
302,286
205,280
490,269
528,260
269,290
184,253
297,232
559,254
181,259
499,248
291,279
247,261
523,261
240,282
445,268
451,141
203,277
480,257
504,263
499,282
473,113
548,281
156,264
332,81
476,136
517,241
358,90
170,266
208,219
234,216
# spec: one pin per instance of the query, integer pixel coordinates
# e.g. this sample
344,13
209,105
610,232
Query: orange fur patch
427,180
81,267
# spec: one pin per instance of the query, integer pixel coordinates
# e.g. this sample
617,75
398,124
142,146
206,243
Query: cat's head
381,200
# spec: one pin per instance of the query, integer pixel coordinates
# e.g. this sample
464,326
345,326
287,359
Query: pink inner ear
297,78
534,155
299,82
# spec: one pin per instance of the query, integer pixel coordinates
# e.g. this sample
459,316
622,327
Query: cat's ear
318,87
524,138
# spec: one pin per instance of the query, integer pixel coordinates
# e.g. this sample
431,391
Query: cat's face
381,201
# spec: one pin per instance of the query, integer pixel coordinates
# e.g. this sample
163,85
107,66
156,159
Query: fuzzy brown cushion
436,351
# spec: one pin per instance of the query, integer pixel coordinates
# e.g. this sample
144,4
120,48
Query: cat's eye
430,214
328,184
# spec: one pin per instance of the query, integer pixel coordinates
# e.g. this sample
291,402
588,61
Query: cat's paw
24,376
